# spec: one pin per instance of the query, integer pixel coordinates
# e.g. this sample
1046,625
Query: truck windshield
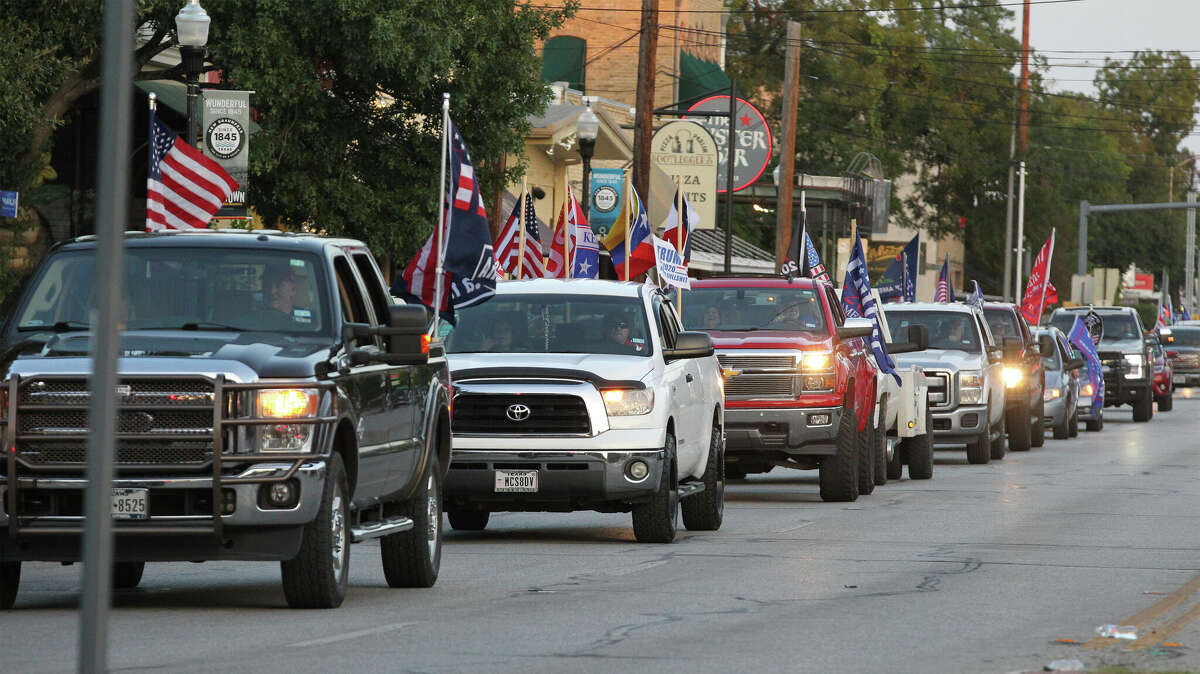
1186,336
1116,326
734,309
952,330
553,323
1003,323
185,288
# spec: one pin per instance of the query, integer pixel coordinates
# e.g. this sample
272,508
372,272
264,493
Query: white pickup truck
585,395
903,418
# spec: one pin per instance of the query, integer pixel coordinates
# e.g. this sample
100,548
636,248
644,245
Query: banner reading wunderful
226,130
606,199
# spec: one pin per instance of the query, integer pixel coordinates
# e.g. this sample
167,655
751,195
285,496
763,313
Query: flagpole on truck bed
679,224
628,221
439,241
521,222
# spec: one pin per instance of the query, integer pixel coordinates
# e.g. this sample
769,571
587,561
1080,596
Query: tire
10,581
996,449
1166,402
895,465
127,575
1073,426
705,511
412,558
839,473
1037,432
1095,425
654,521
1062,430
468,520
1020,432
881,462
1143,410
318,575
979,451
919,451
866,459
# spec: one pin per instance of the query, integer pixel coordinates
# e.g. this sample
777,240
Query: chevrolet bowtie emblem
729,373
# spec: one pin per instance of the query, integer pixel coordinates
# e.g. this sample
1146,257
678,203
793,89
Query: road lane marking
1156,610
349,635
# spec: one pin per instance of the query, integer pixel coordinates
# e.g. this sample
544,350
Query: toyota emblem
518,412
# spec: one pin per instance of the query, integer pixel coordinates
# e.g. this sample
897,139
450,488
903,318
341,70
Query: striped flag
183,187
510,242
943,293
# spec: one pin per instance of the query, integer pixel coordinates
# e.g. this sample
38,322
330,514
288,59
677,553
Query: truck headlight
816,361
284,437
1135,363
970,387
286,403
1011,376
1052,393
624,402
1087,390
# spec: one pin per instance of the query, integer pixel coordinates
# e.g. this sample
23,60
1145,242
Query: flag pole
568,213
152,100
441,223
679,237
628,218
1046,280
522,224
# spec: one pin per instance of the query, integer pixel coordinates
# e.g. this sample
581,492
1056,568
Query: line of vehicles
277,404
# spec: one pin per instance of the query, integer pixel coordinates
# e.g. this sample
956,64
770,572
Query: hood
240,356
607,366
1122,345
941,359
769,339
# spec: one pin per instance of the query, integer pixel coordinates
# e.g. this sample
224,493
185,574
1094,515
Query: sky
1108,25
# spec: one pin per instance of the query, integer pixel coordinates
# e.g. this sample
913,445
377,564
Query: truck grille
939,388
736,362
549,414
760,386
161,422
1189,361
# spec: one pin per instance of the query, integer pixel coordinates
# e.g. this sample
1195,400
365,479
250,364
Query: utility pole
643,122
1020,230
1024,87
1189,256
1008,217
787,146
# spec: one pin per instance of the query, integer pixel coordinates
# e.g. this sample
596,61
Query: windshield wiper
209,325
61,326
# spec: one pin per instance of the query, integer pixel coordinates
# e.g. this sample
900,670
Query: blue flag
1082,340
899,281
857,302
976,298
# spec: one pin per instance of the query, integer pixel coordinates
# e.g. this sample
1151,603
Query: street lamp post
191,25
587,128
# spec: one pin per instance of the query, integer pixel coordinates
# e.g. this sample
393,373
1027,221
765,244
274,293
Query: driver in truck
279,292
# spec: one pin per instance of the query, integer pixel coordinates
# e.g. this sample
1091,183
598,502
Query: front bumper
567,479
963,424
250,532
1121,391
1185,377
1083,409
794,431
1054,411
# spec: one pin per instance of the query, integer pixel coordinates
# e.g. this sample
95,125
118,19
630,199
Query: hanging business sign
687,152
225,123
751,140
606,199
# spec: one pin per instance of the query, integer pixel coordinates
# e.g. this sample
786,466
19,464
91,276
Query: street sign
751,143
687,152
8,204
226,125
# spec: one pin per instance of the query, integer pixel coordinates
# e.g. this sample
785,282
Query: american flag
183,187
510,242
943,293
815,268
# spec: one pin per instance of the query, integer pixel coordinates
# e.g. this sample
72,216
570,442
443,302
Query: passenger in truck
712,318
500,339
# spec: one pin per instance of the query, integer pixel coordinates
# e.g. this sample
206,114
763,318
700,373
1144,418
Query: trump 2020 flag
469,262
1081,339
857,302
1037,289
899,280
183,187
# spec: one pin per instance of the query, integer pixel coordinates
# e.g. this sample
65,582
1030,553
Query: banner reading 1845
226,130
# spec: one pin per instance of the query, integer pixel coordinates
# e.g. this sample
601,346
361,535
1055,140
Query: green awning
698,76
564,59
174,95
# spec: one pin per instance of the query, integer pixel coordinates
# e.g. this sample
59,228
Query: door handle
689,377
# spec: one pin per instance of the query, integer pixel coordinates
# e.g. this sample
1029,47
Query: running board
369,530
690,488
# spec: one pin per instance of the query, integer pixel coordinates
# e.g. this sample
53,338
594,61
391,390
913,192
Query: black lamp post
191,26
587,127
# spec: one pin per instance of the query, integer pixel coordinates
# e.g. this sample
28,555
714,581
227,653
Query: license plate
130,504
516,480
1179,379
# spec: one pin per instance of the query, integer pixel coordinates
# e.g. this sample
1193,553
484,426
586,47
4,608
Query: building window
564,59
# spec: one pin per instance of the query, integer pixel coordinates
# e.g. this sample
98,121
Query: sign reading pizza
751,140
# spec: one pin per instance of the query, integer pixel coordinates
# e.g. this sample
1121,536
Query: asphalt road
981,569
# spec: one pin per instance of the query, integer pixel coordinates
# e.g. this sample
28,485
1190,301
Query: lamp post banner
751,142
8,204
225,124
605,199
688,153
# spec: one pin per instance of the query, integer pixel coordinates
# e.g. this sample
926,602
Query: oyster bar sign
751,140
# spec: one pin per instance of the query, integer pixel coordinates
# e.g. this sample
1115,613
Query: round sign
751,140
225,138
604,199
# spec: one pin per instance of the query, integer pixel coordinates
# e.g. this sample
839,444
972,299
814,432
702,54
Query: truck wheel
866,460
1166,402
919,451
1019,432
839,473
1143,409
996,447
1073,426
10,580
880,444
468,520
1037,432
1096,424
127,575
317,576
654,521
895,465
706,510
412,558
1062,430
979,452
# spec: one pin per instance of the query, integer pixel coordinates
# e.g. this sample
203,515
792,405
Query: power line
830,10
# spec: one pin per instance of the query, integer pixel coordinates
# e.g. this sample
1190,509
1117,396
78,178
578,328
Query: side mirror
856,327
689,345
1011,348
1045,345
918,340
1165,337
406,340
995,354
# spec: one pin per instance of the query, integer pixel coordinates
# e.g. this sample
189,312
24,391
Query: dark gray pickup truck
275,404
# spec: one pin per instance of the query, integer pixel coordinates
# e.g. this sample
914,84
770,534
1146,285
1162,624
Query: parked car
1124,354
275,404
963,364
585,395
1061,396
1024,406
1164,387
1184,351
800,388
